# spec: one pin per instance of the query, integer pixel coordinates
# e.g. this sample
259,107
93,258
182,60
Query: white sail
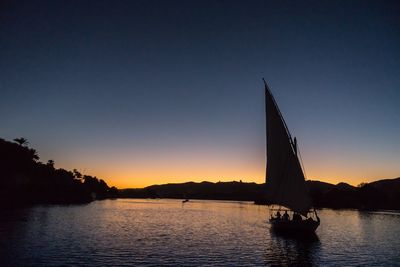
284,176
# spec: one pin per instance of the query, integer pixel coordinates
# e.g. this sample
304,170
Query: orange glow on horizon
146,178
142,179
123,169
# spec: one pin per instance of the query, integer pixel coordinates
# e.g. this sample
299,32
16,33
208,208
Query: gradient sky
145,92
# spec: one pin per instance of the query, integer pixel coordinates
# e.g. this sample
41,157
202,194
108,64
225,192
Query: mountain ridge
381,194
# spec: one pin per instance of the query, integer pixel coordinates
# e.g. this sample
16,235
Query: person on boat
285,216
296,217
278,215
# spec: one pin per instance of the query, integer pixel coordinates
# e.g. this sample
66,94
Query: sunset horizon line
251,181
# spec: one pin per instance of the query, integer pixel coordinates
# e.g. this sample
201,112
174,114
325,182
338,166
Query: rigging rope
301,162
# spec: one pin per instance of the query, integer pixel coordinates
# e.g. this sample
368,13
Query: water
132,232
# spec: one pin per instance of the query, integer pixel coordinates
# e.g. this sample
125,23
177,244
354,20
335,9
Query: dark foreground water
131,232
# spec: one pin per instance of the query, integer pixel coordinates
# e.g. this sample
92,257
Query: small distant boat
186,200
284,176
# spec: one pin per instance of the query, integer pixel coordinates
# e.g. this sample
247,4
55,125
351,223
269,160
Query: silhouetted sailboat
284,176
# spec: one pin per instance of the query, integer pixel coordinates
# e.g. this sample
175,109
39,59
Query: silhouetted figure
278,215
296,217
285,216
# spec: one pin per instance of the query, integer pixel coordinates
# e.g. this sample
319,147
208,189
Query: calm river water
133,232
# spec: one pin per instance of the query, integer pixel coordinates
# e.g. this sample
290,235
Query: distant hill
383,194
203,190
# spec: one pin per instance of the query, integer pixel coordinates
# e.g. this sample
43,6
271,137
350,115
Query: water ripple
198,233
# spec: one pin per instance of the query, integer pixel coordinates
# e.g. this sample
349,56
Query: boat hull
294,227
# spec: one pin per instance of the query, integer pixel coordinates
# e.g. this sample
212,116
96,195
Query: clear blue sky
143,92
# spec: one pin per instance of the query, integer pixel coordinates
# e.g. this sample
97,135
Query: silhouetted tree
77,174
113,192
33,154
50,163
96,187
21,141
25,181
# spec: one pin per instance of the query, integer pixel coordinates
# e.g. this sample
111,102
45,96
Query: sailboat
285,177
